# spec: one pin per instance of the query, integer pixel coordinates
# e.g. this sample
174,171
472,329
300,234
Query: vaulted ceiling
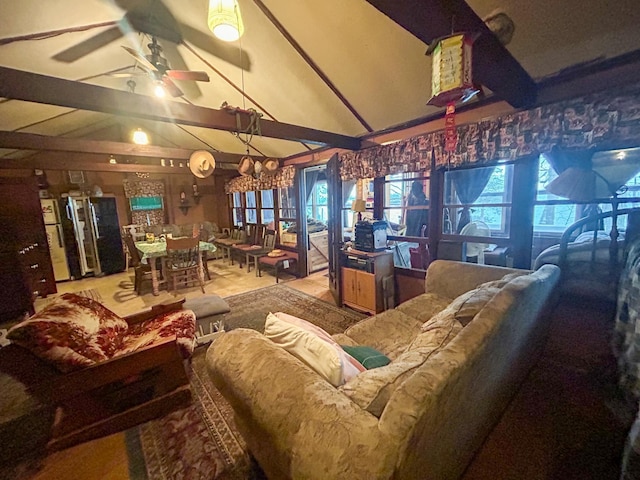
321,73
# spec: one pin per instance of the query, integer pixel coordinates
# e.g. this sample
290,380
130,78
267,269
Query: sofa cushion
388,332
465,307
424,306
179,323
313,346
71,332
372,389
367,356
437,332
207,305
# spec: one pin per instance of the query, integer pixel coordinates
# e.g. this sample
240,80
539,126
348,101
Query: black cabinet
25,265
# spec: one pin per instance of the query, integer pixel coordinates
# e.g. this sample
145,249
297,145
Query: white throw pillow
312,345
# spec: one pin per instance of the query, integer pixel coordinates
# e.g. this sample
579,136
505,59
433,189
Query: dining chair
182,263
141,270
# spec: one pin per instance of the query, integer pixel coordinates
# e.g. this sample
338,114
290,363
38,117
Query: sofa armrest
287,413
78,382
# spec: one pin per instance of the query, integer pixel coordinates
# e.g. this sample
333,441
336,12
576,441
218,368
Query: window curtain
469,184
310,179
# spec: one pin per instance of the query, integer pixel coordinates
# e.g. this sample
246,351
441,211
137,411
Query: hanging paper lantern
451,78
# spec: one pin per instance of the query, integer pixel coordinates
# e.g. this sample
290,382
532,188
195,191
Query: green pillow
367,356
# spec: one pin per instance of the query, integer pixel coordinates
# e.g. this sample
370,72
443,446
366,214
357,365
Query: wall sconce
224,20
196,193
140,137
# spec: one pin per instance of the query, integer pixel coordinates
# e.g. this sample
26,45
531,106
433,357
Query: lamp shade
581,185
224,20
359,205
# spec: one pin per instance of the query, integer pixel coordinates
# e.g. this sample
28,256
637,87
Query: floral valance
282,178
143,188
609,118
411,155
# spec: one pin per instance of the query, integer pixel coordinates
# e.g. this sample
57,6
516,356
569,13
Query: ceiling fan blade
140,58
188,75
190,88
152,17
81,49
171,87
493,65
229,53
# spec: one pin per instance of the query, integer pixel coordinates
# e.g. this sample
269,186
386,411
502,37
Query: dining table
151,252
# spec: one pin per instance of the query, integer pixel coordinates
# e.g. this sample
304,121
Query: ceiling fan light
224,20
159,91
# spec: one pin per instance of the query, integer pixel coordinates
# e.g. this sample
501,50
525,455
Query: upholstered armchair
101,373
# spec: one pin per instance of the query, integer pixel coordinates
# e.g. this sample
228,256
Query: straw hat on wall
201,163
246,166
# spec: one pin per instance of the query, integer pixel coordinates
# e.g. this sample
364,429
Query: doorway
317,217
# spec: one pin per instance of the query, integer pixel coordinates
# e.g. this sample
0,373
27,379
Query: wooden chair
111,395
251,253
141,270
183,263
237,236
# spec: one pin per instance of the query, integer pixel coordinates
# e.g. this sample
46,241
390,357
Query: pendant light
224,20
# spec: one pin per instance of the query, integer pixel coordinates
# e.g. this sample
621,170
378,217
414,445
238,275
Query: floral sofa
458,354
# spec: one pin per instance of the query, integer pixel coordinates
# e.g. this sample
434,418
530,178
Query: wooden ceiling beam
34,87
493,65
92,162
32,141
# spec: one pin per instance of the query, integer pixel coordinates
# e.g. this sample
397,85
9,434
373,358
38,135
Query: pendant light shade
224,20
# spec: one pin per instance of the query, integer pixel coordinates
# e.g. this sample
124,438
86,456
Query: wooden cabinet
25,265
367,280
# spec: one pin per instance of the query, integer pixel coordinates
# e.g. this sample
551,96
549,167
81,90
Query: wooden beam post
34,87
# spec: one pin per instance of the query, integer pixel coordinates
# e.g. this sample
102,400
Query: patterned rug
201,441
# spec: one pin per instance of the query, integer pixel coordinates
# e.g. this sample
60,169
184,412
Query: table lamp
359,205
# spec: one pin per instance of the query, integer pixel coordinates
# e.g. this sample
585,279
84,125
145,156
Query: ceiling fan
158,67
153,17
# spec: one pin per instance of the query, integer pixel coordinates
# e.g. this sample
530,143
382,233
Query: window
251,210
287,232
287,205
406,203
554,214
266,202
551,214
317,202
481,195
236,200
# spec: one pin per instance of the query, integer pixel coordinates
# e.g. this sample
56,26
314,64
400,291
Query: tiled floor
226,279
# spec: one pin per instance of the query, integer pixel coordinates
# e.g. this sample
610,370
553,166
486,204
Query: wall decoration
606,119
266,181
143,188
149,217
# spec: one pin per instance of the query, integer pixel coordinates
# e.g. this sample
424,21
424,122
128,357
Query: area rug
202,441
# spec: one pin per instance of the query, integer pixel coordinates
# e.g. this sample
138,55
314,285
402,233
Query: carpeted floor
201,441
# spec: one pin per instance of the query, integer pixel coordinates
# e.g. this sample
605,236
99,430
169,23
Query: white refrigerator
55,238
